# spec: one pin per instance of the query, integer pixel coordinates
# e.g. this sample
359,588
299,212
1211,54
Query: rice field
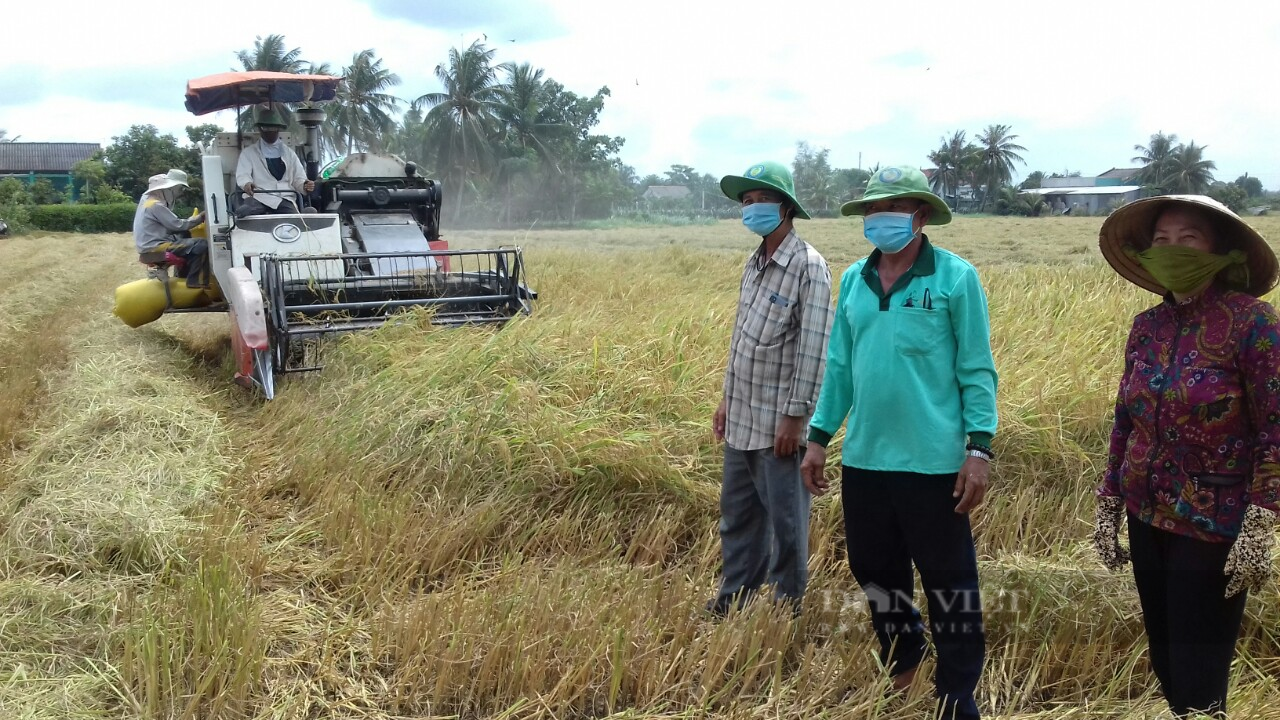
521,523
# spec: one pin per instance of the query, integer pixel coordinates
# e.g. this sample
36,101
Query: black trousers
195,254
1191,627
894,520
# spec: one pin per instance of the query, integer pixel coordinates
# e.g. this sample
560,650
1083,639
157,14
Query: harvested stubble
114,454
43,297
520,523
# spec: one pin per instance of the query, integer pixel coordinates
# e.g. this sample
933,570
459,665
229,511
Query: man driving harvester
269,172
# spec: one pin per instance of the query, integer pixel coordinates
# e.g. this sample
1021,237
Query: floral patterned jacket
1197,420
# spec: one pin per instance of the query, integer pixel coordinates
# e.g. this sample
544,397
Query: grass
521,522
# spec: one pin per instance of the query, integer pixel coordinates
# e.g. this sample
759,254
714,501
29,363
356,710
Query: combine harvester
372,249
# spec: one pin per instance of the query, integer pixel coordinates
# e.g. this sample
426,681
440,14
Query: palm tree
361,113
269,54
1009,201
1188,172
822,193
522,111
409,138
465,115
953,160
528,129
813,177
998,153
1155,159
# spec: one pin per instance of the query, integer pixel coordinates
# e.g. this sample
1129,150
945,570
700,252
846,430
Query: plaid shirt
779,345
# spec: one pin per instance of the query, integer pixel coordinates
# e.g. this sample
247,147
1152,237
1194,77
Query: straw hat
1132,225
173,178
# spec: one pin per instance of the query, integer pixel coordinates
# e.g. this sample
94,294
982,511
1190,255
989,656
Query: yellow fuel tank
143,301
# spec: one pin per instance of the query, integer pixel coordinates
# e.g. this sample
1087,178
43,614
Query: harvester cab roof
362,247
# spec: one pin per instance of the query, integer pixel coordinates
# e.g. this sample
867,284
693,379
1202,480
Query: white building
1088,194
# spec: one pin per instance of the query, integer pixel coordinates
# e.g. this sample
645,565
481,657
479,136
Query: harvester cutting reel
300,309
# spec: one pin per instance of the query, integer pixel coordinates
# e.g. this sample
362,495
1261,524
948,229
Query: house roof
1121,173
1084,190
666,191
57,157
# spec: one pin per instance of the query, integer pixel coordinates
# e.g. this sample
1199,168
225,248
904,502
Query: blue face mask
889,231
762,218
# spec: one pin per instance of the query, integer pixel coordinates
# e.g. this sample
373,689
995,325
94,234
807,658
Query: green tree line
515,147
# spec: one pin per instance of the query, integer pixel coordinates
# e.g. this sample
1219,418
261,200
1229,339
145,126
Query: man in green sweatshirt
909,364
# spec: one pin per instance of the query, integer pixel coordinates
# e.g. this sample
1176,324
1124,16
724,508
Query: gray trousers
764,527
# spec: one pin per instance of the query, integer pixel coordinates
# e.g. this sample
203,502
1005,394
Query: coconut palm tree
522,112
1155,159
1188,172
997,154
410,138
465,115
813,177
953,161
4,136
361,112
270,54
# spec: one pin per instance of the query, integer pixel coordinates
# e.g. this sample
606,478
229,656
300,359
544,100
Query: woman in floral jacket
1194,461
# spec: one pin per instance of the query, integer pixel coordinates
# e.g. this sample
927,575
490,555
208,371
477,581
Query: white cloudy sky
716,85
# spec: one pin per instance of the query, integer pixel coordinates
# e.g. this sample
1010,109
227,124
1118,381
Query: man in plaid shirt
776,360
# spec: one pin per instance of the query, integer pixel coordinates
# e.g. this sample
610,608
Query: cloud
21,85
151,88
502,21
698,84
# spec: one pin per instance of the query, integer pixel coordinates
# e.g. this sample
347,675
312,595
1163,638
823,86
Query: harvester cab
365,244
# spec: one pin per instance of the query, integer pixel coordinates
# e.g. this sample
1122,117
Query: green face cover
1182,269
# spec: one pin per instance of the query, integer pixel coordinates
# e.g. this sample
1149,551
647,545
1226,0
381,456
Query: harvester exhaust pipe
311,118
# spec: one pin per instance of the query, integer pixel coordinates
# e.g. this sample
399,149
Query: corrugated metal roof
22,157
1122,173
666,192
1085,190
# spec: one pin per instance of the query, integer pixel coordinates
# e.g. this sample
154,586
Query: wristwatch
978,454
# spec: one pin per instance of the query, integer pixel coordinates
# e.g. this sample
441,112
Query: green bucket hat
763,176
899,182
270,117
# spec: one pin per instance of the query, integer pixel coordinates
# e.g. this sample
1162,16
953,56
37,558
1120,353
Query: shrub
13,192
1233,196
117,217
109,195
17,218
44,193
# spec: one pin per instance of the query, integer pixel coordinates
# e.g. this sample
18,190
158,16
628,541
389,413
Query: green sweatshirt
911,369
